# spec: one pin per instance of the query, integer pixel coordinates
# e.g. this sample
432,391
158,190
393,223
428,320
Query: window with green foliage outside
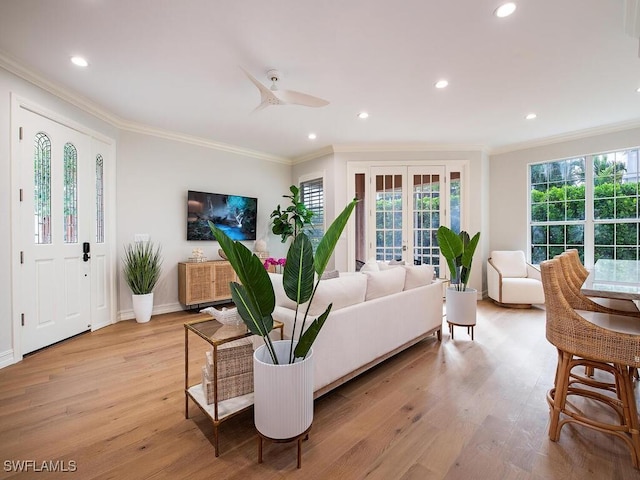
588,203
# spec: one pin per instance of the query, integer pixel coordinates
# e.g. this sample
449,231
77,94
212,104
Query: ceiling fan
275,96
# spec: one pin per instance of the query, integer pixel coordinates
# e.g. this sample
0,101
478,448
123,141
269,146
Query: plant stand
299,438
469,328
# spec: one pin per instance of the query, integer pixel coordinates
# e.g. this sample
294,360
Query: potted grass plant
458,250
283,369
142,263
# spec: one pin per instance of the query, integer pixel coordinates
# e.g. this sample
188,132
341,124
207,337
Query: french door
407,207
61,226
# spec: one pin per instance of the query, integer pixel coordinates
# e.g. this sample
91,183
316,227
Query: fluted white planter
462,306
142,307
283,394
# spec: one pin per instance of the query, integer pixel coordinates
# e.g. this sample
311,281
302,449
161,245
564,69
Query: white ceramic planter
142,307
462,306
283,394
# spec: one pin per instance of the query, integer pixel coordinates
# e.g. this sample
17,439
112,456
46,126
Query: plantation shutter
312,195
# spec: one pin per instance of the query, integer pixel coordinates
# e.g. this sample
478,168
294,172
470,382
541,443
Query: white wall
508,175
154,175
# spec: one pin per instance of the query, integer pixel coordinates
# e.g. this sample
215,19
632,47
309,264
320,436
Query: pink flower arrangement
275,266
273,262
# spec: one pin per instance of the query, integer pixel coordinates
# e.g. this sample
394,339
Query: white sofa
511,281
374,316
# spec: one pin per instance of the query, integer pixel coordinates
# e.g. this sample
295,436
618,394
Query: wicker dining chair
578,274
571,289
582,342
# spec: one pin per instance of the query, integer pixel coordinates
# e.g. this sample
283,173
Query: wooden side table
216,334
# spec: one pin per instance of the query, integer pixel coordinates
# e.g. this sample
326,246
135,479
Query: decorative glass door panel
426,200
407,209
389,213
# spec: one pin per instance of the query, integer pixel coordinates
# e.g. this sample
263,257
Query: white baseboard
7,358
157,310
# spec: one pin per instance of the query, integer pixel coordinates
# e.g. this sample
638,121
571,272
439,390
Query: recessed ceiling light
312,136
79,61
531,116
441,84
363,115
638,89
505,10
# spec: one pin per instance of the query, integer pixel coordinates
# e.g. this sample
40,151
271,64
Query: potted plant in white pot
142,266
283,369
458,250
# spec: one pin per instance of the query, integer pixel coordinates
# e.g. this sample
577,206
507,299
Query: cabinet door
199,283
223,275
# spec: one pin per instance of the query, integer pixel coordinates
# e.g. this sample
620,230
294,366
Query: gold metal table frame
216,334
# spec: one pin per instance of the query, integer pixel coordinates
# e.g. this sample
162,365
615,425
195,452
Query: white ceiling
175,66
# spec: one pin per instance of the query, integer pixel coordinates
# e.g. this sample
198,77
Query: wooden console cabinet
204,282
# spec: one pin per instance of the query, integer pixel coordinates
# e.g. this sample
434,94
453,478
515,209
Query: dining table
619,279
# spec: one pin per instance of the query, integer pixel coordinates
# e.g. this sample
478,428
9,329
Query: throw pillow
418,275
384,282
330,274
342,291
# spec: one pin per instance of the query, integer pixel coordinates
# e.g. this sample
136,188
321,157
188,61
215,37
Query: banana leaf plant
458,250
254,297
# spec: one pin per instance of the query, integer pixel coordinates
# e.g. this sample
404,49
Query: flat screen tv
234,214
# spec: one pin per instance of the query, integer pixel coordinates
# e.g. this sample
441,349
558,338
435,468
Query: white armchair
512,282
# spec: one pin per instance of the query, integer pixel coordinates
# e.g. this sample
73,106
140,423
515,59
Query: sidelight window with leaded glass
42,188
70,193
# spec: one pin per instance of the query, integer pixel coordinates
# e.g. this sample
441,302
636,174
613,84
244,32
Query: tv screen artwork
234,214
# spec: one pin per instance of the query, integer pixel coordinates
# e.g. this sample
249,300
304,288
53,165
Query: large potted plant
458,250
283,370
142,266
290,221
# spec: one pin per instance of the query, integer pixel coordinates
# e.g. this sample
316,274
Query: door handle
86,250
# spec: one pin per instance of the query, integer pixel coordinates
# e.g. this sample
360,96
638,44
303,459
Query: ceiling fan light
505,10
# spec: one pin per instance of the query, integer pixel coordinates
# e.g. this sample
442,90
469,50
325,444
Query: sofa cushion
417,276
342,291
511,264
384,282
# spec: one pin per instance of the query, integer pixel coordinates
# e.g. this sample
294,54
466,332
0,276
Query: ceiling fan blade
266,95
297,98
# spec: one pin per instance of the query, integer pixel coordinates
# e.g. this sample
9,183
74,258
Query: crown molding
68,96
385,148
99,112
201,142
410,147
565,137
327,150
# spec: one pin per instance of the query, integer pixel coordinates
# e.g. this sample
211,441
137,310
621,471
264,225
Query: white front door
58,231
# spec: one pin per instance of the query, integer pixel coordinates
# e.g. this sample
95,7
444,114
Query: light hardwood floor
112,401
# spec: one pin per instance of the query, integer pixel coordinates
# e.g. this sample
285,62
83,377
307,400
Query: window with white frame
312,195
588,203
